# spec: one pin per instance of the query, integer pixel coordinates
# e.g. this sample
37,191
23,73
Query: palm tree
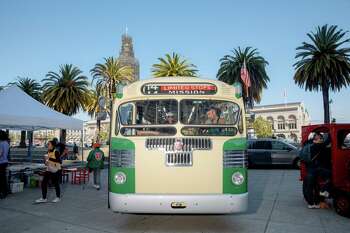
92,107
173,65
230,72
66,91
107,75
29,86
324,64
33,89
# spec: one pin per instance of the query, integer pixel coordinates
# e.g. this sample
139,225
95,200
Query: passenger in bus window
213,117
170,118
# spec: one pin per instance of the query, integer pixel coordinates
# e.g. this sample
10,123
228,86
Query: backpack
305,153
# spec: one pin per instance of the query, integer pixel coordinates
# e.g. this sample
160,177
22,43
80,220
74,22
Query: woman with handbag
53,164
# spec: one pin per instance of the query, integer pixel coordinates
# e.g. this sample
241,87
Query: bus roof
179,86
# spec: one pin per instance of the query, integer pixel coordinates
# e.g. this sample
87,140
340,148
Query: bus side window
116,126
126,113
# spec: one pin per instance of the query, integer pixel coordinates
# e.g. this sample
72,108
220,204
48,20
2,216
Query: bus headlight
120,178
237,178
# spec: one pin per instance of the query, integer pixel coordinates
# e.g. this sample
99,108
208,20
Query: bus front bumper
179,204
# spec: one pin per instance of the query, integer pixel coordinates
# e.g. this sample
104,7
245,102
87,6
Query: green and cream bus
178,146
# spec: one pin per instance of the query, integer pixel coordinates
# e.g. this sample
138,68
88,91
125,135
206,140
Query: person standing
52,173
75,151
317,151
95,162
4,151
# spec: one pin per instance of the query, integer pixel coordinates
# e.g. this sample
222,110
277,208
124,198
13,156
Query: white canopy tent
21,112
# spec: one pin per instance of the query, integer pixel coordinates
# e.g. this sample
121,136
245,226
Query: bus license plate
178,205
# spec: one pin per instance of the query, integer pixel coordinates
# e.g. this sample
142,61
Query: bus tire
341,203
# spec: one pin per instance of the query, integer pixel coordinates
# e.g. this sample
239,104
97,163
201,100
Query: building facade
286,119
91,131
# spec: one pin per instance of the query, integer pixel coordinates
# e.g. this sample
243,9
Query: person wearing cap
95,162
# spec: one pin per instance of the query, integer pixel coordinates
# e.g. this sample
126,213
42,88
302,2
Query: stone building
286,119
127,56
90,130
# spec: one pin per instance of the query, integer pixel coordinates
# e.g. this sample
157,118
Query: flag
245,78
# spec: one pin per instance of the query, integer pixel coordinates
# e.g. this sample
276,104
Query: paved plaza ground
275,205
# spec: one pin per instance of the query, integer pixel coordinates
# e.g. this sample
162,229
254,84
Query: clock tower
127,57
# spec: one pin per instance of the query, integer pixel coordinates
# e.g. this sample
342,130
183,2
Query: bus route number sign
179,89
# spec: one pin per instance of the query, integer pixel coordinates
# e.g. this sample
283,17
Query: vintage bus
178,145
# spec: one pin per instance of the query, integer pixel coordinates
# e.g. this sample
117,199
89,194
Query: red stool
81,175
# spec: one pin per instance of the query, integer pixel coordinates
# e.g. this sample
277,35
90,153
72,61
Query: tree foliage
323,64
262,128
91,106
29,86
66,91
173,65
230,71
107,75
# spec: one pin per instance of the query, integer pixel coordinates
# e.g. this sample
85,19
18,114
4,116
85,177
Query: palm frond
66,91
230,70
173,65
323,62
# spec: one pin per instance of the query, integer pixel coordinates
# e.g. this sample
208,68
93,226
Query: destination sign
179,89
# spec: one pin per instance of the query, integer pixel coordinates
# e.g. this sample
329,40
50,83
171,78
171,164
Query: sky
38,36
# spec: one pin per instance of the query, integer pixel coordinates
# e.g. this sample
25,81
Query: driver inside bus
213,117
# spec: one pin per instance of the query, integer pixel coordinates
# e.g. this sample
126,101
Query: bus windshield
208,112
159,117
192,112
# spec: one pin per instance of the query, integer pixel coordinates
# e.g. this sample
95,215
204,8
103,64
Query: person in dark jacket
316,168
53,163
75,151
4,151
324,166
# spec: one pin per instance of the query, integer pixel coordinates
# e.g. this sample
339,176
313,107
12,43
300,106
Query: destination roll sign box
179,89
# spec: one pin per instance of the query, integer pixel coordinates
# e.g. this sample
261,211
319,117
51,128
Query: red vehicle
340,158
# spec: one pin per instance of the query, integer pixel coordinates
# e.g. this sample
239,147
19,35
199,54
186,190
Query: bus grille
179,159
235,158
188,143
123,158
